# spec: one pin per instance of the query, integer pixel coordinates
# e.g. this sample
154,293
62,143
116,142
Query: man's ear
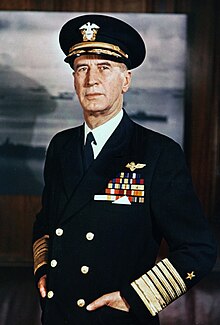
127,81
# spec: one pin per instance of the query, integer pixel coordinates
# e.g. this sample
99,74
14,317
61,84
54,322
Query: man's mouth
93,95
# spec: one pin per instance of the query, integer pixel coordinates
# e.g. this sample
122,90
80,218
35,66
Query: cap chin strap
99,48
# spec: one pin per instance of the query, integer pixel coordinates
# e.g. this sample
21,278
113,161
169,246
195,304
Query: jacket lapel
71,162
111,160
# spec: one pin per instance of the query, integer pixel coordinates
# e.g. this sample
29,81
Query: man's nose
92,77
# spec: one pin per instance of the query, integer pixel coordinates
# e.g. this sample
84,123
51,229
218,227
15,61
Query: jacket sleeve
178,216
41,224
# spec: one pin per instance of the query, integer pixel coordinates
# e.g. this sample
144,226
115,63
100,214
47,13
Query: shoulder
64,136
144,136
64,139
154,140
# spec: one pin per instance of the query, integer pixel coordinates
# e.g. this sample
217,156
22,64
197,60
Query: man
113,190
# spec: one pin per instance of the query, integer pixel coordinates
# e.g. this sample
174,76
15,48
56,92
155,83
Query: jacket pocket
112,316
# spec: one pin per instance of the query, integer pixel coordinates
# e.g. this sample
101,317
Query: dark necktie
88,155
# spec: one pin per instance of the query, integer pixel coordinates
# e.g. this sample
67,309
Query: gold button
59,232
90,236
50,294
81,302
84,269
53,263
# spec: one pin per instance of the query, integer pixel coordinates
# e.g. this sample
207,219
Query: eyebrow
98,64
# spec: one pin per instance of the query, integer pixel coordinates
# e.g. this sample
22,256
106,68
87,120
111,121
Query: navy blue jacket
89,247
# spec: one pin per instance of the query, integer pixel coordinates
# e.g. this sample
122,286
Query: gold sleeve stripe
37,245
164,283
148,293
159,286
169,276
175,274
38,266
154,290
40,252
150,306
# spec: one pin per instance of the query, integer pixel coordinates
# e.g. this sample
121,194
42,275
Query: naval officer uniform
100,229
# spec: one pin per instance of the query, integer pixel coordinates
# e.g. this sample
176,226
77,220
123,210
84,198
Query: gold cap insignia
190,275
132,166
89,31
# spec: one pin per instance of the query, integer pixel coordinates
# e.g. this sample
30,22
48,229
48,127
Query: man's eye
104,67
82,69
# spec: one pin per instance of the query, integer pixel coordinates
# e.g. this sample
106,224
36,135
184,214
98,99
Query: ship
64,96
143,116
9,149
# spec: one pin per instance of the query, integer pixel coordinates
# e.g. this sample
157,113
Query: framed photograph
37,98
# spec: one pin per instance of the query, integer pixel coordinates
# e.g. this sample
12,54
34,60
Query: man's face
100,84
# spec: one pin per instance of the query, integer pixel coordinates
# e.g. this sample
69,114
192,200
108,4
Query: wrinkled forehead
96,60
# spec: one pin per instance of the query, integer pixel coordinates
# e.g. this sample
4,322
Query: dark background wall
201,145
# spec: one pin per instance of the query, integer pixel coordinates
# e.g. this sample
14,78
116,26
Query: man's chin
96,111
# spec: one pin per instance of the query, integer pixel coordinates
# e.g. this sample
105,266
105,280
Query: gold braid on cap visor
97,48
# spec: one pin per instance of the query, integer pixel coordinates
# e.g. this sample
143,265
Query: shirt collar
103,132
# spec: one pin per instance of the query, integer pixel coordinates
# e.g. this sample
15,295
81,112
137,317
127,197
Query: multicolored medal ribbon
125,184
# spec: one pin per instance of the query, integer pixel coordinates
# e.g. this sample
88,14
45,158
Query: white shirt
102,133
